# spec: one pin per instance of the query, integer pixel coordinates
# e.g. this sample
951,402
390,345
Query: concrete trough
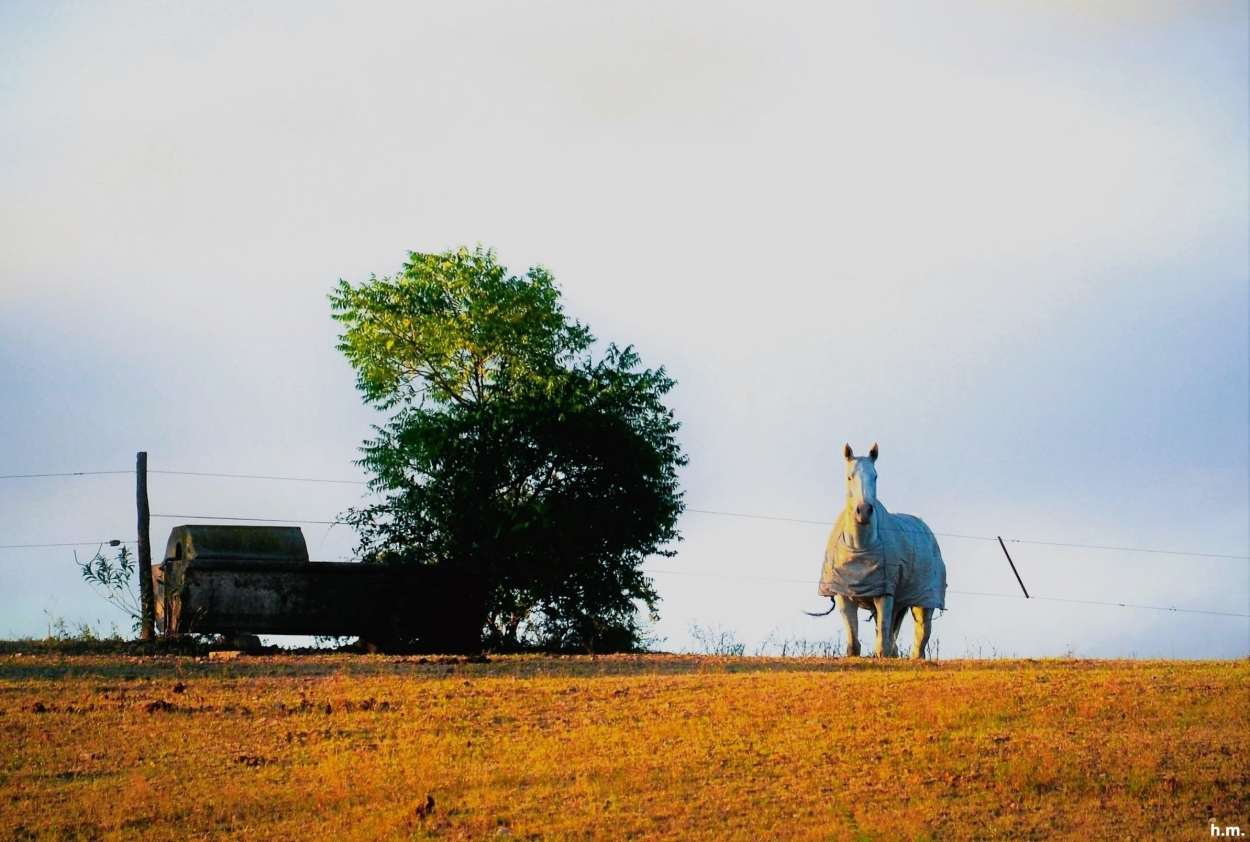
235,580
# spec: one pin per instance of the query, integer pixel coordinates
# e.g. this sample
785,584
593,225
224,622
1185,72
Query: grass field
623,747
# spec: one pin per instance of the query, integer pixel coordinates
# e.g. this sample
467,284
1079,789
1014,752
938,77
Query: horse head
861,484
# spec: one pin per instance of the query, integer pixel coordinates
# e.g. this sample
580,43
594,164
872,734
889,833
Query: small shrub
715,641
113,579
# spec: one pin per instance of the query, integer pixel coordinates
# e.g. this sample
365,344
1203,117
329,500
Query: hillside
644,747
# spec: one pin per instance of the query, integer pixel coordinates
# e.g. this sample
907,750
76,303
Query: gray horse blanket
904,563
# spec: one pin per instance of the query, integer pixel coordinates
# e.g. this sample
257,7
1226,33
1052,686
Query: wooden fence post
147,603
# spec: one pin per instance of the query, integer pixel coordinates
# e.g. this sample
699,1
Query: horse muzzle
863,513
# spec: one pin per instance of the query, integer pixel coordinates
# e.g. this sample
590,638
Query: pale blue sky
1008,243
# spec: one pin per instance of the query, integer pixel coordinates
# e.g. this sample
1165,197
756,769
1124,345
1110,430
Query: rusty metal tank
258,579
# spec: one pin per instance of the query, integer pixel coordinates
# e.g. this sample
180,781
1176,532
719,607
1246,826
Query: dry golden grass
651,747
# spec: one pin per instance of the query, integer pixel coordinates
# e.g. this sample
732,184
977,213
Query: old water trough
236,580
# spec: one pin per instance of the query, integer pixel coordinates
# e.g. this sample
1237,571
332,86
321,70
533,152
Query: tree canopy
455,329
512,453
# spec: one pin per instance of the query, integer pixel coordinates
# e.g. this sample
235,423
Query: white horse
887,563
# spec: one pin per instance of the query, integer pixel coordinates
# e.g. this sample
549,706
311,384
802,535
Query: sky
1007,242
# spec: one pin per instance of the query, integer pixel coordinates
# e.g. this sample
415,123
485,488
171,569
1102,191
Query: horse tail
824,613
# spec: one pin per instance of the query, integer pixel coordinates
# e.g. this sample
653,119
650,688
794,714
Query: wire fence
337,521
692,510
988,537
813,583
115,542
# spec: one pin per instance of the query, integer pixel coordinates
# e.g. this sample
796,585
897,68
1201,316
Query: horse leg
896,622
850,616
885,613
923,618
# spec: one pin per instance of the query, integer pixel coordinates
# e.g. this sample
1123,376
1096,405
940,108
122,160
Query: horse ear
847,452
872,452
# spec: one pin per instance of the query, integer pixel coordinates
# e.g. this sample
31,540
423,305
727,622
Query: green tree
512,454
